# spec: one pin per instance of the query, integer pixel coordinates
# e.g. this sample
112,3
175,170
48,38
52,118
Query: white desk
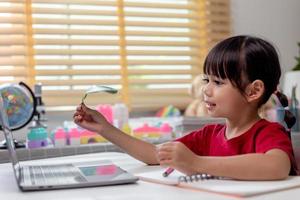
140,191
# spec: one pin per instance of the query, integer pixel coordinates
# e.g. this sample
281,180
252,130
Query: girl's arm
141,150
92,120
272,165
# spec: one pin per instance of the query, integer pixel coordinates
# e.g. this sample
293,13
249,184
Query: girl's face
222,99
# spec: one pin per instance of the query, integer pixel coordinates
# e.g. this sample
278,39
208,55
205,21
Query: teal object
39,133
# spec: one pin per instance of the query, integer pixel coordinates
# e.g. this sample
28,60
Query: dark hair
244,59
289,117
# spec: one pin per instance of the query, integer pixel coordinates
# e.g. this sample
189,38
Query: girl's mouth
210,105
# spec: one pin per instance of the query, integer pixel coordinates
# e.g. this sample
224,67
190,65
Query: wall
278,21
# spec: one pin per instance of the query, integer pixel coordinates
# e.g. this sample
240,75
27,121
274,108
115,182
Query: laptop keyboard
53,175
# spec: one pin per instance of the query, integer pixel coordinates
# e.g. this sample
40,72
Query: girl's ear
255,90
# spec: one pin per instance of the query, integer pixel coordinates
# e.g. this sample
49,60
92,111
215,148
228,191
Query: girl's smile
210,106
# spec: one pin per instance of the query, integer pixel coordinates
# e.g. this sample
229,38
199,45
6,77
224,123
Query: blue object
39,133
37,137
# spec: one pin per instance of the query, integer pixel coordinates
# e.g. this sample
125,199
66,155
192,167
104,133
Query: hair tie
289,118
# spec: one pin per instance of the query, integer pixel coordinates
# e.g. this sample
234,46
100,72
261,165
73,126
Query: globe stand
17,144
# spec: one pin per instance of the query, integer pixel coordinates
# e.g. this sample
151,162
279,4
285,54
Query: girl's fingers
165,147
164,155
82,108
78,114
77,118
166,144
75,115
79,107
165,162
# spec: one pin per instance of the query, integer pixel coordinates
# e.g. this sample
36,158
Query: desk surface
140,190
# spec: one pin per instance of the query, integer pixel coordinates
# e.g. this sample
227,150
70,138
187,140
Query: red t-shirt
260,138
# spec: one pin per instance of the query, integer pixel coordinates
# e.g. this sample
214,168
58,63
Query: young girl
240,74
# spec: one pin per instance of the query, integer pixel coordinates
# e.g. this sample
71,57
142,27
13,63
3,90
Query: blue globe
18,103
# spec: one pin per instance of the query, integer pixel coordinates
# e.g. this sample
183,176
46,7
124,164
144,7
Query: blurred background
149,50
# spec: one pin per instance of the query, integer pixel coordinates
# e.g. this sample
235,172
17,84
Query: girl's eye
218,82
205,80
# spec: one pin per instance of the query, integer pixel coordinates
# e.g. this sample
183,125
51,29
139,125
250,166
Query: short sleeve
198,141
271,137
192,140
276,137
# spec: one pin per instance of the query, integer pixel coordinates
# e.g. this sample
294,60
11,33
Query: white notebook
221,186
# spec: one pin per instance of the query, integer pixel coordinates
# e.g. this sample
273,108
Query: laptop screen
9,138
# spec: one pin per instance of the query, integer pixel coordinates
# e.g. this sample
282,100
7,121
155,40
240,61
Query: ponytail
289,118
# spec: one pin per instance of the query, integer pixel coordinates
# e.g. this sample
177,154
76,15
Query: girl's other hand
177,156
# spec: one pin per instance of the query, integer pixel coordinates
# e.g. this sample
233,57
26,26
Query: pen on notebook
168,172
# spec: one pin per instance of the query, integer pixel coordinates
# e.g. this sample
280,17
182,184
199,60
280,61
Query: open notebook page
155,176
223,186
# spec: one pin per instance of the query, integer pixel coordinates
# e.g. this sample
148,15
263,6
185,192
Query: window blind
149,50
14,65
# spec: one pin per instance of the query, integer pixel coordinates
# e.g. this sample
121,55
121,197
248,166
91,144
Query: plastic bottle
120,113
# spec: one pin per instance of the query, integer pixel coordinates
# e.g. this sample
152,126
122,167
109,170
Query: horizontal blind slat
106,42
16,72
192,25
18,29
115,62
100,52
191,34
74,42
74,21
78,2
12,61
12,9
189,15
158,81
65,11
75,52
114,72
13,40
18,19
144,4
77,62
76,72
79,82
12,50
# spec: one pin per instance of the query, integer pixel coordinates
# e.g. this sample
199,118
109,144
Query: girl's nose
207,90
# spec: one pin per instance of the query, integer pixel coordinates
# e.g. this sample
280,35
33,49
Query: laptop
59,176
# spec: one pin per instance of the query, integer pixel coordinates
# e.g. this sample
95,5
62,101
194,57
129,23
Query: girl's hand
177,156
90,119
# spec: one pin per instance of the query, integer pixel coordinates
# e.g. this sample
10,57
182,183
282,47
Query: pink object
60,137
146,128
106,170
107,111
60,133
88,137
74,133
166,128
87,133
74,137
168,172
163,132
